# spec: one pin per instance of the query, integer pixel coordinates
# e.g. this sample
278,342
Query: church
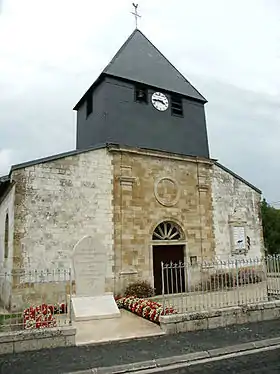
141,181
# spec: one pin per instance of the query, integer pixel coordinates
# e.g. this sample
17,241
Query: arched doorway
168,246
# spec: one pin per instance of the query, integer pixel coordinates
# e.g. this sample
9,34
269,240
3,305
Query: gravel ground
64,360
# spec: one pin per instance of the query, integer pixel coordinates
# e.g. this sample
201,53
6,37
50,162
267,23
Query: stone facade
120,195
152,187
235,202
6,239
56,204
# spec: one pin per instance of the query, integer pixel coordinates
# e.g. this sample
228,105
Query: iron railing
212,285
273,275
35,299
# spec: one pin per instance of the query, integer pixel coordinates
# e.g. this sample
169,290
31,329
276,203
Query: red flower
42,316
145,308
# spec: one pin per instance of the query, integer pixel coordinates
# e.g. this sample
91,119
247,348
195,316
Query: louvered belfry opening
141,94
177,106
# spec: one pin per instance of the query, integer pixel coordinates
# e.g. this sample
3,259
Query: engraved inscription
239,237
89,262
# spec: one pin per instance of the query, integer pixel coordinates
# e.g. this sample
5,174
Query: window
167,231
6,238
89,104
141,94
176,106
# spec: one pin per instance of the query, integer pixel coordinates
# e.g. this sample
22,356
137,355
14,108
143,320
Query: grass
6,319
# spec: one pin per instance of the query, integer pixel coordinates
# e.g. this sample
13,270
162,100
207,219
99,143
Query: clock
160,101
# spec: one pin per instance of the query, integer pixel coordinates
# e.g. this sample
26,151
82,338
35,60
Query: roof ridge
226,169
130,63
3,178
121,49
174,67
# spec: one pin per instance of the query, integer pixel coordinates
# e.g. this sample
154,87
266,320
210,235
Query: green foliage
271,227
10,322
141,289
7,317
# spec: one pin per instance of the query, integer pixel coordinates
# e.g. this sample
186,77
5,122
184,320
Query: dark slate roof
140,61
6,179
55,157
109,146
237,177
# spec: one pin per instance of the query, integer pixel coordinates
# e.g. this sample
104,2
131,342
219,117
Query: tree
271,227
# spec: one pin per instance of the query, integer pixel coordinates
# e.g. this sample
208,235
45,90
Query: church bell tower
141,100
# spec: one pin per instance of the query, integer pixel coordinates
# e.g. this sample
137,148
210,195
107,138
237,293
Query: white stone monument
89,264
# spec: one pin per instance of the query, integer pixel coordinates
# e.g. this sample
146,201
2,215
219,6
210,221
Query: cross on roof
135,13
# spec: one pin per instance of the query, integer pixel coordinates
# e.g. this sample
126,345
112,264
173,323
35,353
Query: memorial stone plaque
239,237
89,263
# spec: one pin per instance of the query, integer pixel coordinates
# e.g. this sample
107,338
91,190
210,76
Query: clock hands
160,101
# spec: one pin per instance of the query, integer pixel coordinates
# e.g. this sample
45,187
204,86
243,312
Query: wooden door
167,254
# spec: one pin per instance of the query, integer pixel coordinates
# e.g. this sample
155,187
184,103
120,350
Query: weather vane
135,13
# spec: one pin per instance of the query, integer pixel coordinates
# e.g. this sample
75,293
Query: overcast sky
51,51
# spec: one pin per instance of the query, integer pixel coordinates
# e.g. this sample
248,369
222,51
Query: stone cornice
159,154
203,187
125,179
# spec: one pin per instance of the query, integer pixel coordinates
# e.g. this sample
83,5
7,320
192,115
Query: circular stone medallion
167,191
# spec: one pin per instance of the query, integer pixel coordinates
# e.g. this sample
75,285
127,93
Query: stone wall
233,199
121,195
33,340
220,318
6,208
151,187
56,204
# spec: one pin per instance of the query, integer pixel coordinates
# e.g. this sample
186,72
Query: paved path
128,326
65,360
264,363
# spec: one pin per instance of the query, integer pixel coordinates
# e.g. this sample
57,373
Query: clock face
159,101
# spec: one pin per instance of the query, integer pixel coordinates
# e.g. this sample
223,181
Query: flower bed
145,308
42,316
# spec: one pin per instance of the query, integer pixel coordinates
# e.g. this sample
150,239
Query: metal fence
35,299
219,284
273,275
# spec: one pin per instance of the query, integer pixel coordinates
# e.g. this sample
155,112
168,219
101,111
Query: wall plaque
167,191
